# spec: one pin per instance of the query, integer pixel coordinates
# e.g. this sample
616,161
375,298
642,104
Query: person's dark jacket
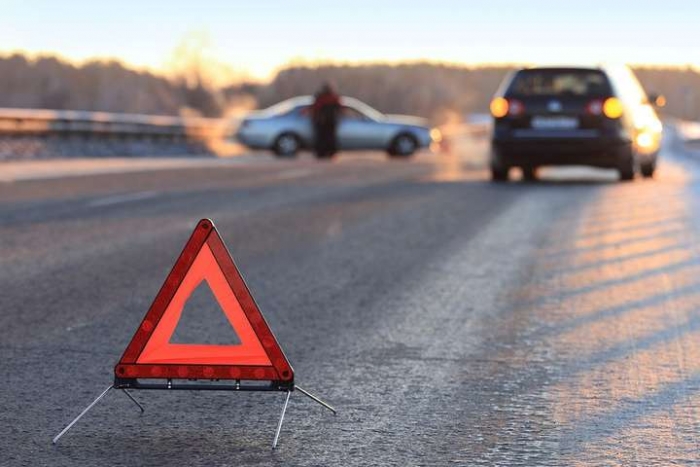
325,109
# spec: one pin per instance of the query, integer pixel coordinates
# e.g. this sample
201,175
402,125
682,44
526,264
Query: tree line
436,91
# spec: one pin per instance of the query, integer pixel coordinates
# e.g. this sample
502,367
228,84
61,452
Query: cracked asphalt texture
451,321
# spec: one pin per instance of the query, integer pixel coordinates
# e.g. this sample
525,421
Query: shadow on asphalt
610,314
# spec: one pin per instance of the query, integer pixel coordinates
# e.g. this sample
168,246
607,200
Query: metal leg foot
279,425
316,399
58,436
134,400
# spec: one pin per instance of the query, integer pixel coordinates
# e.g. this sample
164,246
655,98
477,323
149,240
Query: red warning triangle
150,354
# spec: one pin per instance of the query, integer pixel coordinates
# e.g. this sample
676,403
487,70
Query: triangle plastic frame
279,372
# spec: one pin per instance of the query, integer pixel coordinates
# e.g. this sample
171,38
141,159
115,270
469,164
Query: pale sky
256,37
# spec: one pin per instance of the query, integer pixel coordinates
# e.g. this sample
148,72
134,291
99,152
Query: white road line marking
125,198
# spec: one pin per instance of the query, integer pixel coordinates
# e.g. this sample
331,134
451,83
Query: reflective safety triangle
151,352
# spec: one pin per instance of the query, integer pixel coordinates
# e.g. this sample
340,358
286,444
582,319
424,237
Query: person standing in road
325,112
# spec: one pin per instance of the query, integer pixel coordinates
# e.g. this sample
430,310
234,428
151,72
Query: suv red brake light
516,108
595,107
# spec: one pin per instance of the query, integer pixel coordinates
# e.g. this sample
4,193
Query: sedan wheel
403,146
286,145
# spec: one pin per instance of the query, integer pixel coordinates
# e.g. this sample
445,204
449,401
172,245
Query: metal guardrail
43,122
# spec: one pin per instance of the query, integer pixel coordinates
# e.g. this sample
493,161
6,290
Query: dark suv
573,116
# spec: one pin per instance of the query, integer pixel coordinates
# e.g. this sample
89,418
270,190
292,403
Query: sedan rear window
551,82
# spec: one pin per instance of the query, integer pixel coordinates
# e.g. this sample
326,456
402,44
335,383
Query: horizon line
246,77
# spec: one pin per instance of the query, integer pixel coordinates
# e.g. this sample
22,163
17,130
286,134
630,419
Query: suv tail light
612,107
500,107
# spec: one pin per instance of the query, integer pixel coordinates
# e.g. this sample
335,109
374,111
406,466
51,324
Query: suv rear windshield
552,82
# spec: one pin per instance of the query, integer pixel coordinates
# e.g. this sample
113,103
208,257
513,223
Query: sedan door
358,131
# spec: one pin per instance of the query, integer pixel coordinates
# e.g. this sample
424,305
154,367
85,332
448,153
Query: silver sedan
286,128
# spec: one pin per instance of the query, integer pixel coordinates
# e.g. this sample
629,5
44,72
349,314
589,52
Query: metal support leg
315,399
279,425
81,414
134,400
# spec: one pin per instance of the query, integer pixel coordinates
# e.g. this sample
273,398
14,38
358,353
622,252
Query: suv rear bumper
598,152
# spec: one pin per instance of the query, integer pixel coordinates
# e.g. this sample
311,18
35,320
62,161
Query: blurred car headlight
645,140
435,135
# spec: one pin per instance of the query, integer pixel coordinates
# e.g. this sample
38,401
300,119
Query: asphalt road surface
451,321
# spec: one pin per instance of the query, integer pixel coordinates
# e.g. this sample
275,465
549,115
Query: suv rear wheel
625,166
647,169
529,174
499,174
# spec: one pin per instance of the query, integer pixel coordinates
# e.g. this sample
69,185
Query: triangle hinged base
123,385
204,385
